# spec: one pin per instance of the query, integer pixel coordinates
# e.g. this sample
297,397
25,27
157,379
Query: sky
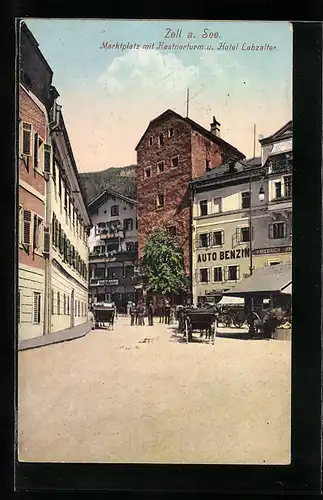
109,95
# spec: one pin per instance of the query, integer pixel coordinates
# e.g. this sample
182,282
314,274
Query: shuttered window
64,304
36,307
68,304
277,230
27,228
18,306
20,225
204,240
47,158
58,303
232,273
52,301
37,232
218,238
26,139
36,146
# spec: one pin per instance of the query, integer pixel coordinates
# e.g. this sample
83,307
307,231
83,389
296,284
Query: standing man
161,311
167,311
132,312
151,313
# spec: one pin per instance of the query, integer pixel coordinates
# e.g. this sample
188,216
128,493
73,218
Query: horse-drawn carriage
104,316
203,320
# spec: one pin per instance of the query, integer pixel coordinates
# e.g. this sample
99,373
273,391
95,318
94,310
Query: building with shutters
113,244
221,217
172,151
53,218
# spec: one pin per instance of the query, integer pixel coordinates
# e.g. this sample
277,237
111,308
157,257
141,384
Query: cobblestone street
140,394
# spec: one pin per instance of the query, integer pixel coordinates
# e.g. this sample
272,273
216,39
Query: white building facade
113,244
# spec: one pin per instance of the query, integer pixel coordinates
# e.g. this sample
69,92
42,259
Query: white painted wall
31,280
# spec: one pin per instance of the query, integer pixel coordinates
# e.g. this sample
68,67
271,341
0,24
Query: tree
162,264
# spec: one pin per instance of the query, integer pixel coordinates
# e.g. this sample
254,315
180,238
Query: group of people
138,312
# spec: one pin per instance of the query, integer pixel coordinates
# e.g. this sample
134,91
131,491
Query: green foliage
122,180
162,264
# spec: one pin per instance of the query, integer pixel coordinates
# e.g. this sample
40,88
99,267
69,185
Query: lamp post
261,196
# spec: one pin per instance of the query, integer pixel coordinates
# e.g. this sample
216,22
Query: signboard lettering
264,251
240,253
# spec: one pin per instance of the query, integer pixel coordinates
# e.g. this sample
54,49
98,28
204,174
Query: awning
230,301
287,290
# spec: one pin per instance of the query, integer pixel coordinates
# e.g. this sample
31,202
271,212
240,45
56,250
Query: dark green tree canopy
162,264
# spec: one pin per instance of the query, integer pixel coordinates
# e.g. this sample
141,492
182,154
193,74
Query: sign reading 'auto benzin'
240,253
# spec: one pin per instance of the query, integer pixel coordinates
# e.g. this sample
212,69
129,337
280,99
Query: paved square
113,396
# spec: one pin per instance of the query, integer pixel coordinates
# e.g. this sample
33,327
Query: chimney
215,127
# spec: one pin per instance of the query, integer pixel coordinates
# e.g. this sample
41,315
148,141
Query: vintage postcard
155,241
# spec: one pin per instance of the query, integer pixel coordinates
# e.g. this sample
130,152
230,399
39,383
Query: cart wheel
237,323
227,320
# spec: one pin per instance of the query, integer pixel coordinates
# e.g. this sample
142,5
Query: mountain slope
122,180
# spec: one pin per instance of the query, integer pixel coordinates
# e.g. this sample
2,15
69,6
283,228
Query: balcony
114,255
105,234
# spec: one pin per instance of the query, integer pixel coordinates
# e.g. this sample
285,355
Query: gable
284,132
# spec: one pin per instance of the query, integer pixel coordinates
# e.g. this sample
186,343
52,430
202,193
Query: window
171,132
18,306
172,230
52,301
114,210
59,185
245,200
288,186
217,274
160,201
79,308
20,228
174,162
47,157
160,167
136,222
218,238
243,234
26,138
36,310
278,189
233,273
128,224
130,246
204,275
203,207
68,305
64,304
207,165
161,139
58,303
150,141
204,240
54,173
37,236
277,230
148,172
36,146
274,262
217,202
27,223
129,271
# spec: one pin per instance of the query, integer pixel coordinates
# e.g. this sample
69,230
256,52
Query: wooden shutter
27,223
35,227
47,158
36,311
26,139
225,273
238,272
36,146
238,234
18,306
58,303
52,301
271,231
46,240
222,237
285,230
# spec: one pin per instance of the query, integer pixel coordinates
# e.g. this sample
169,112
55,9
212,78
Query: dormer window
161,139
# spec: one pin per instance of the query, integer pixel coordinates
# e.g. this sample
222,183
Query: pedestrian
151,313
132,312
161,312
141,314
129,305
167,312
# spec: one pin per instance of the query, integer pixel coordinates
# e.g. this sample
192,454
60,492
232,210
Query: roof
26,31
254,162
102,197
226,171
287,290
265,279
286,130
203,131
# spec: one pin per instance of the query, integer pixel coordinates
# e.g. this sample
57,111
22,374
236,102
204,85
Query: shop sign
112,282
239,253
265,251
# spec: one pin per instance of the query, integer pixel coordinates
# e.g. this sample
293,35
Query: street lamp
261,196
